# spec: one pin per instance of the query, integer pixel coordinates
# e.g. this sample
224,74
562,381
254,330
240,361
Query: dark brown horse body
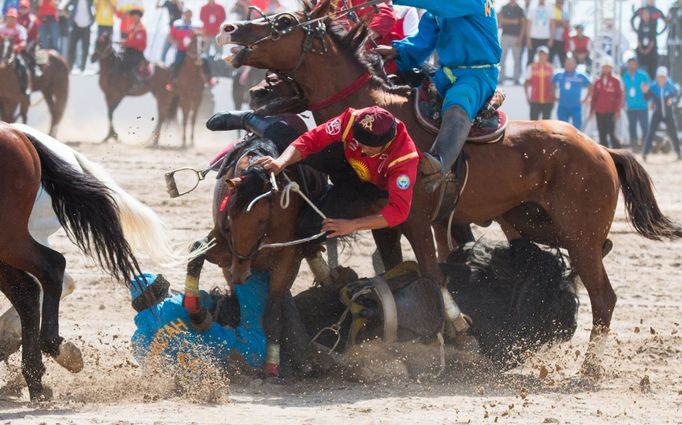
87,210
53,84
117,85
545,181
189,88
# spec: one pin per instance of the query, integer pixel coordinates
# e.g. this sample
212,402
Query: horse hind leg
24,294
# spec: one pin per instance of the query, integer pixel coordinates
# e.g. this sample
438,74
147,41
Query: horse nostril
229,28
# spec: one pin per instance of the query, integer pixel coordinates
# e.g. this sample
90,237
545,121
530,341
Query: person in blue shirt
636,105
463,33
663,96
166,335
571,84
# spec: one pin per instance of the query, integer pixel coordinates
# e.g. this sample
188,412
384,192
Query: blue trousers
671,128
571,114
49,33
469,88
641,117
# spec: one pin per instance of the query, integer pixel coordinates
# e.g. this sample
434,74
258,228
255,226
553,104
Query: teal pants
469,88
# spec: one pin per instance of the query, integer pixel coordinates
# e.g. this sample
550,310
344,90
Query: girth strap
388,306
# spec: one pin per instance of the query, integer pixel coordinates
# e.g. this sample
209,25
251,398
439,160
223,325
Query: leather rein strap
343,94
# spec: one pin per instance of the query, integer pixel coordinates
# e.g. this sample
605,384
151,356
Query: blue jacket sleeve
451,8
413,51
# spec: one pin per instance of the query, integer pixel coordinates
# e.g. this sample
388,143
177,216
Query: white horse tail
142,227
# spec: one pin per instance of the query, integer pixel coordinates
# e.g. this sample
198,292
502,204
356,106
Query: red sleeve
222,16
203,14
323,135
400,187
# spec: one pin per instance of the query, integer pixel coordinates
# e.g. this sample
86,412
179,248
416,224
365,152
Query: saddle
488,126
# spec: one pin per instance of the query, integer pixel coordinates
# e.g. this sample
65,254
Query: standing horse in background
53,83
545,181
189,89
51,186
116,86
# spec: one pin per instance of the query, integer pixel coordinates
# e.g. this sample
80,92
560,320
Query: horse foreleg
185,119
112,104
24,294
193,122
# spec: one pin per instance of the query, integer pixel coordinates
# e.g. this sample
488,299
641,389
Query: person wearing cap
571,84
29,20
134,46
181,35
166,333
369,155
463,34
663,96
12,30
606,104
636,105
539,80
580,46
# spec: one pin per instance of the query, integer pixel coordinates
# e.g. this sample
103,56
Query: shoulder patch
403,182
334,127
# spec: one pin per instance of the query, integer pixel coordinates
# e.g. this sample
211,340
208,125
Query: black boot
224,121
22,72
451,137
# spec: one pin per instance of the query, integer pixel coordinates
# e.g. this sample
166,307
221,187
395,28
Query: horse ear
233,183
321,9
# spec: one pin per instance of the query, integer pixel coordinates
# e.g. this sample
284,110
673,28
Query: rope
451,244
284,201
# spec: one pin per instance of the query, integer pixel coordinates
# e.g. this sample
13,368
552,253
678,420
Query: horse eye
284,22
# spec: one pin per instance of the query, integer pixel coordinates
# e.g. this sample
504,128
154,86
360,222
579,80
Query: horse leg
587,262
388,248
185,119
193,122
112,104
24,294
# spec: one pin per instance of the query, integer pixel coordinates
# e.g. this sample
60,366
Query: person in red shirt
181,35
607,101
134,46
212,15
580,46
49,24
29,21
539,79
369,155
12,30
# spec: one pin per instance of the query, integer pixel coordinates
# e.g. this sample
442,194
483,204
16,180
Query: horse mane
253,177
353,43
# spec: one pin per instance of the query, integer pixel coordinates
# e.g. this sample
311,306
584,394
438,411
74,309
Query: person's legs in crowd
177,63
516,55
85,47
534,111
611,124
602,129
656,120
577,117
73,41
506,42
546,111
563,113
643,117
559,50
534,44
671,129
633,120
164,51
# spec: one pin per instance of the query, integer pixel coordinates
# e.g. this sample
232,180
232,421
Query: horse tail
142,227
640,202
59,88
88,212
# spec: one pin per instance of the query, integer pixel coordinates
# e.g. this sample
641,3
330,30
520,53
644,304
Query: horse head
279,42
248,206
103,47
277,95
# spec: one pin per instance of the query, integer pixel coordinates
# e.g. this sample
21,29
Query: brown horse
545,181
86,208
248,213
53,83
117,85
189,88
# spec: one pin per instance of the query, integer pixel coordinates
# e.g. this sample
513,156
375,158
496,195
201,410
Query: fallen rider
166,335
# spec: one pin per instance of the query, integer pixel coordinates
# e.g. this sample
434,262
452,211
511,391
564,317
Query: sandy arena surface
642,384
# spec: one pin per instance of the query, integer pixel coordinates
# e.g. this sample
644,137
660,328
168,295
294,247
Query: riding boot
438,162
24,83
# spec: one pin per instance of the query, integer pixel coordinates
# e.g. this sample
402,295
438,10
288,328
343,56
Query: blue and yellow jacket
659,97
164,331
462,32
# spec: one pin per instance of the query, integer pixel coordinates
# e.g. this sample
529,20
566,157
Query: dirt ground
642,384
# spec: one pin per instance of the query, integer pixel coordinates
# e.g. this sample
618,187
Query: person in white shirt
81,18
540,28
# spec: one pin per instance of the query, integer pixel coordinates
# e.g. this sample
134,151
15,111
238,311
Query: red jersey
393,170
48,8
580,44
16,33
607,95
212,16
137,37
381,23
541,86
182,33
30,22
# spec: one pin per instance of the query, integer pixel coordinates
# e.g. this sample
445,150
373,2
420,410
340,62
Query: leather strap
388,306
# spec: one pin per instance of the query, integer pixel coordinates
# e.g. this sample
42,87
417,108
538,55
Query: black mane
253,177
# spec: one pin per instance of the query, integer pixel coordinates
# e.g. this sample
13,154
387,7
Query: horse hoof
606,248
43,394
70,357
592,369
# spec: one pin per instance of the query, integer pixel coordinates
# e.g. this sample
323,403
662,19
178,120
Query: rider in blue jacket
164,331
464,35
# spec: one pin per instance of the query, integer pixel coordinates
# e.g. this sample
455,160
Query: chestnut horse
117,85
546,181
53,84
189,88
249,213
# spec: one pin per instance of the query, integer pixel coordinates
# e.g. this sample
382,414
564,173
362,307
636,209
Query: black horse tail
640,201
87,211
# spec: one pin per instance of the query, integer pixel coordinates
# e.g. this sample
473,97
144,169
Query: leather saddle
488,126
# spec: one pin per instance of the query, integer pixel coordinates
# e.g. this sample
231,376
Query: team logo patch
334,127
368,122
403,182
361,169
